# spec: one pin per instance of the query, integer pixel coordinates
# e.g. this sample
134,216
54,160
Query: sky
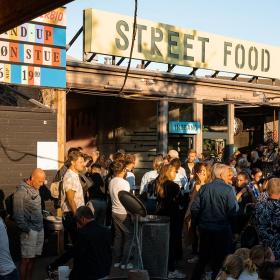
252,20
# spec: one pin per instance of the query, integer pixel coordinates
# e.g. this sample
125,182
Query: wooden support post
198,117
278,129
230,132
61,126
162,126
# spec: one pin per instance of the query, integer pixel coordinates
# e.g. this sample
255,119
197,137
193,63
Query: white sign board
47,155
110,34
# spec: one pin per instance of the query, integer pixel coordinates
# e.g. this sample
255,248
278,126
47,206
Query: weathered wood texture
21,129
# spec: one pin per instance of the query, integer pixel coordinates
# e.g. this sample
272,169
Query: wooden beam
16,12
61,125
230,121
198,116
162,126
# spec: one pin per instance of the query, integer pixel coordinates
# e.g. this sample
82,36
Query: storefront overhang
14,13
144,84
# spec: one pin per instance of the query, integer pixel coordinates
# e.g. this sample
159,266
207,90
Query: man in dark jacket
92,251
213,210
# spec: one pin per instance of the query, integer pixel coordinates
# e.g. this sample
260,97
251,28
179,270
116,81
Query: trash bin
154,240
54,236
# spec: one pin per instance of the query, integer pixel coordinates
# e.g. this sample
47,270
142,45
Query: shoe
193,260
128,266
176,274
117,265
50,271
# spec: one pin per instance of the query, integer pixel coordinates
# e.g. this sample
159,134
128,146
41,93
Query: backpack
9,203
56,189
149,190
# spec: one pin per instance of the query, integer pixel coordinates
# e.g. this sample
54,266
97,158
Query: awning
16,12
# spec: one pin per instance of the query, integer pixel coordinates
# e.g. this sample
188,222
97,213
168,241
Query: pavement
116,273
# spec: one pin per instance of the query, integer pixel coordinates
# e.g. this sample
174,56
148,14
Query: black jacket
92,253
215,206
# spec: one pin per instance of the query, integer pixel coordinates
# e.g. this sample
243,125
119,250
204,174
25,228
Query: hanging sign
111,34
34,53
184,127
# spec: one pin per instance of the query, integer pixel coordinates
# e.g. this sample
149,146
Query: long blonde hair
233,266
164,175
249,265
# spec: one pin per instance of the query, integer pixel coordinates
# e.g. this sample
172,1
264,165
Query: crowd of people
226,213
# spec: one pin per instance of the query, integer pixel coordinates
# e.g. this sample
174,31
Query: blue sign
184,127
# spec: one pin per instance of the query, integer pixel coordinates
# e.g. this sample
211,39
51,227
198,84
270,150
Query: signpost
34,53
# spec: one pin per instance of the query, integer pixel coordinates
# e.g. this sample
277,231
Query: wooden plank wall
21,129
142,143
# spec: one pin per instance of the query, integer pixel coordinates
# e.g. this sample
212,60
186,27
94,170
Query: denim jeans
123,237
11,276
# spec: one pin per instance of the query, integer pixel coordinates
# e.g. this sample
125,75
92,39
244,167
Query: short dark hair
176,163
96,165
130,158
72,149
118,156
244,174
74,155
255,171
83,212
118,166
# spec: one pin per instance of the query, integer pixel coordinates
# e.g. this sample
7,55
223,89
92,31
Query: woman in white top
250,269
232,268
121,219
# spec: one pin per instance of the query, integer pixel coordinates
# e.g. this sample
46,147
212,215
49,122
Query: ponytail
222,275
250,266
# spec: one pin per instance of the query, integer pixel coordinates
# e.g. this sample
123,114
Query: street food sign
109,33
34,53
184,127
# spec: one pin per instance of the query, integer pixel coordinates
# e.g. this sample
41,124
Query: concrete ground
50,253
116,273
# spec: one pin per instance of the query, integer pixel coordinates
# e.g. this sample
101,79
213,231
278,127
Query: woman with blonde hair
250,269
261,254
169,198
231,269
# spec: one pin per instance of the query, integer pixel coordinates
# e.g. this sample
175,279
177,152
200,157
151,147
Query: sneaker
128,266
50,272
176,274
117,265
193,260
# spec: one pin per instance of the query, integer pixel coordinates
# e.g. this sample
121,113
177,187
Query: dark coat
215,206
92,253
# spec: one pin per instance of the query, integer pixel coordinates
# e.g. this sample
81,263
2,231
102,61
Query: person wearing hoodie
29,219
268,218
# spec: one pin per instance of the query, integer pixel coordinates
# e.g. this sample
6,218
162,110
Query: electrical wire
132,47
